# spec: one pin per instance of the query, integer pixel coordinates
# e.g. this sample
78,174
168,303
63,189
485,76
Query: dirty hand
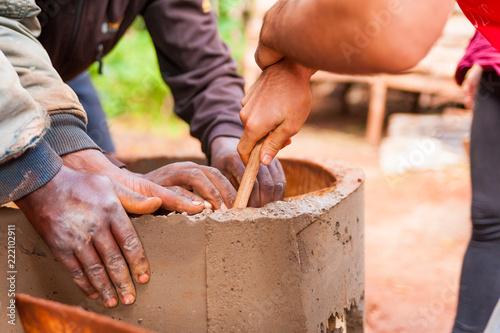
471,84
170,183
207,182
277,104
82,219
270,184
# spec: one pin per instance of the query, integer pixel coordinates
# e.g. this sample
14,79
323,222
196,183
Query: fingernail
128,299
196,203
208,205
223,206
143,278
94,296
267,159
112,302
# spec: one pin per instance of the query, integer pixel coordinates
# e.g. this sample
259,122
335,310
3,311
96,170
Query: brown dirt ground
417,225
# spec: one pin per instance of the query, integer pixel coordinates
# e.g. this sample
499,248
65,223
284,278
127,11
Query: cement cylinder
292,266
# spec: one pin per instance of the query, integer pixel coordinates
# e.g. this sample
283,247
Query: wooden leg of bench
376,112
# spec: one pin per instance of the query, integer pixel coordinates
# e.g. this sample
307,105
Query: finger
116,266
134,202
266,186
97,275
182,191
254,200
124,233
169,200
273,143
234,172
71,263
224,187
251,135
198,181
279,180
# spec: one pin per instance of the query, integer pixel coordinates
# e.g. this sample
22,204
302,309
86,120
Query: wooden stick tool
248,180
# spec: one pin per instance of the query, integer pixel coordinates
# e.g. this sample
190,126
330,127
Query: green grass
131,85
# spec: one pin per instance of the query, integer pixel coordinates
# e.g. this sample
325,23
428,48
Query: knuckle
266,185
195,172
214,172
278,187
131,243
78,275
111,206
290,130
275,145
243,113
115,262
189,165
214,193
123,286
95,269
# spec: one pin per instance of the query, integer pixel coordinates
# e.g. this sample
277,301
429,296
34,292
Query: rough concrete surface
292,266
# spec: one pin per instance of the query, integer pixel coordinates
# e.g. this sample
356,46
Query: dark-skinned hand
82,218
270,184
171,183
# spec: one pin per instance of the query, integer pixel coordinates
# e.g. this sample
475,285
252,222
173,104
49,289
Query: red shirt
485,15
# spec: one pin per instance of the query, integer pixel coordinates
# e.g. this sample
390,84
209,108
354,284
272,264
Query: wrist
223,143
27,173
300,72
31,200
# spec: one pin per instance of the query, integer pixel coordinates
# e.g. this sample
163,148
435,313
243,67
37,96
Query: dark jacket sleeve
198,68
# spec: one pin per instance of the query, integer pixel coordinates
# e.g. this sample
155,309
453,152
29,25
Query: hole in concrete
302,177
335,324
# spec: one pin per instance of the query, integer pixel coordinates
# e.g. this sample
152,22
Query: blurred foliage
131,83
232,16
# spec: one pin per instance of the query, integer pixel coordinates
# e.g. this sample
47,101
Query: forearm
198,68
357,36
38,83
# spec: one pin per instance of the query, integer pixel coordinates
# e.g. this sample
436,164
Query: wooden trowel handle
248,180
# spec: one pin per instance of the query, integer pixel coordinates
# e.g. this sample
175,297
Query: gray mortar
294,266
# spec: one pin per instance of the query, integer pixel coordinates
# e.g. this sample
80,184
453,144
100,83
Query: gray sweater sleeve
32,95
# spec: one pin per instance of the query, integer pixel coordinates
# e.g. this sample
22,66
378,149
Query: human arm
354,37
82,218
278,103
78,215
172,183
206,86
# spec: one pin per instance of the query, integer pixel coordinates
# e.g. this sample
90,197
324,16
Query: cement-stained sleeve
40,80
22,120
27,162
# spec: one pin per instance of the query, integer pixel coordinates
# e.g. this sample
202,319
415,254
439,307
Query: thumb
134,202
275,141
